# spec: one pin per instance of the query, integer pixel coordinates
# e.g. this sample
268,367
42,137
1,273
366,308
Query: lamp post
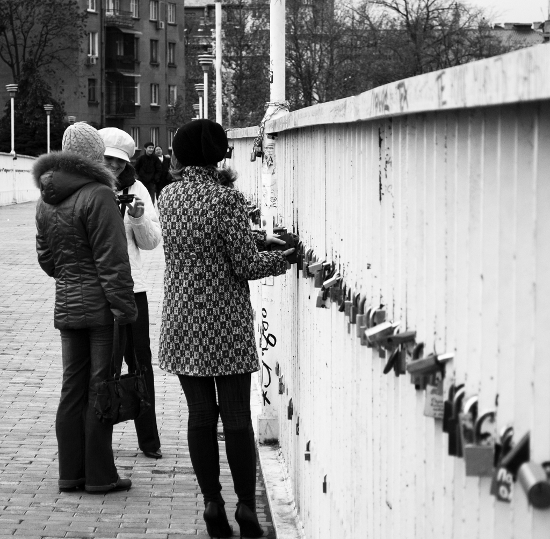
197,109
48,109
205,61
200,90
218,61
12,90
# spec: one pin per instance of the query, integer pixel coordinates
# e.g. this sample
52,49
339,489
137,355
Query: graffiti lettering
441,89
403,99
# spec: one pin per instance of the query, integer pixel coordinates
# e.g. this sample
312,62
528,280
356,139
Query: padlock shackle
479,424
457,401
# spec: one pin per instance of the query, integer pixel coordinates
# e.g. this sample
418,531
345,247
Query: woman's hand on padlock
287,253
273,239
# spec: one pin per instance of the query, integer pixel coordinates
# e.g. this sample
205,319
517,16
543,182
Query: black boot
248,522
216,520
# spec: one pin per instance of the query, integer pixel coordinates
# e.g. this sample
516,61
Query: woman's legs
202,434
234,404
85,444
146,425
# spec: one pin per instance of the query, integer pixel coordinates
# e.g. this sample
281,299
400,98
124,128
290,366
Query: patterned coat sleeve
240,245
259,238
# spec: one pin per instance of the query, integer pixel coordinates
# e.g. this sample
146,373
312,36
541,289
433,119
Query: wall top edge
19,155
516,77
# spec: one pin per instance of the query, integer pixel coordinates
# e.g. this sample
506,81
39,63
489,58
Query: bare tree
41,35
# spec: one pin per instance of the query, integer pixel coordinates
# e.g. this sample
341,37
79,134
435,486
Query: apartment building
131,68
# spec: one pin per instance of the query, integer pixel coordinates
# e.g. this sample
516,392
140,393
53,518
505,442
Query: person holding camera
80,242
142,232
207,333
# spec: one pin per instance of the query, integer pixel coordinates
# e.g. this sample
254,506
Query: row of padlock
468,433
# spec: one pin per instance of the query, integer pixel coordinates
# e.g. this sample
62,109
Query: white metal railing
432,197
16,183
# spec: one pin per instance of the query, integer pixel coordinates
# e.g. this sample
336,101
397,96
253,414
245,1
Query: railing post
270,323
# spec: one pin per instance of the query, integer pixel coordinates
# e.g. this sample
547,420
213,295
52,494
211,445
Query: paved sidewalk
164,502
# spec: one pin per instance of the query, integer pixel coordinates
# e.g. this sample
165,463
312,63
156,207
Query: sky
513,10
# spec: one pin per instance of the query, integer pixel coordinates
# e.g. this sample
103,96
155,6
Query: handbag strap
118,352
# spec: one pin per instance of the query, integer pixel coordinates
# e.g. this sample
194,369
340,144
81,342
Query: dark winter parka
81,242
211,254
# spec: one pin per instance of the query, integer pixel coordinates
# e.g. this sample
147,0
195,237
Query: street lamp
205,61
48,109
200,90
197,109
12,90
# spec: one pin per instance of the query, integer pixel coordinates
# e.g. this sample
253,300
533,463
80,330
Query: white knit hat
118,143
83,139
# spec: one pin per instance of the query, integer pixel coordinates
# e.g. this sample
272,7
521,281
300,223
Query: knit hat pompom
83,139
200,143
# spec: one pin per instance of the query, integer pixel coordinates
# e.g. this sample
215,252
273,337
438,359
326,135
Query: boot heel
248,522
216,521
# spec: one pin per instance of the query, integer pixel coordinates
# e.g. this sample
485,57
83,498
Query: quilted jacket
81,242
210,253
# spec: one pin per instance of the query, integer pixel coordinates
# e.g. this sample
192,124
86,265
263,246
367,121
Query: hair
226,176
147,144
158,146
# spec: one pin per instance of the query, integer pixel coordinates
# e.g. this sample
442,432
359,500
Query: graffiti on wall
267,340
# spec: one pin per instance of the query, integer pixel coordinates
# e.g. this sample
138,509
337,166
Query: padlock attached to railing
479,444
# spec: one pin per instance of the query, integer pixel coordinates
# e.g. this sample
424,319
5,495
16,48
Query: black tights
233,406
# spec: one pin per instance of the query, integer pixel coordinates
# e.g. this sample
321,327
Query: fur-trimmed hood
59,174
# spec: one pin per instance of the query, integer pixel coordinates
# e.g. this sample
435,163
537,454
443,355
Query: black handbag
122,397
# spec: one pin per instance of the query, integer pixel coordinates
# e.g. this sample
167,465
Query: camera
125,199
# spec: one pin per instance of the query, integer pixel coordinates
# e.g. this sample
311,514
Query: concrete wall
16,183
431,198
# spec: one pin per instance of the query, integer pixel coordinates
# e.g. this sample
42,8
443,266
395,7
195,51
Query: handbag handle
117,355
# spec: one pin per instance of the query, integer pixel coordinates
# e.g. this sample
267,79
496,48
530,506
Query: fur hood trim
73,164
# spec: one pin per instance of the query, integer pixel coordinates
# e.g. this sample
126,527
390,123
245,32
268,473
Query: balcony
126,62
118,18
120,99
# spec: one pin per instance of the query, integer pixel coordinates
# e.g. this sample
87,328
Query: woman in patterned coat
207,333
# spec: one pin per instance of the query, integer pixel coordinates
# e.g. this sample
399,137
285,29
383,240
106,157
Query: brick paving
164,502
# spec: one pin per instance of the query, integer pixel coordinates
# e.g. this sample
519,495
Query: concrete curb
284,515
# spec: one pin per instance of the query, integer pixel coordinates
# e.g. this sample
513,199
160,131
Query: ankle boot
216,521
248,522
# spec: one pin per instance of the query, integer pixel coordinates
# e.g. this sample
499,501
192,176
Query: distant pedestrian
165,167
142,233
207,333
148,169
81,242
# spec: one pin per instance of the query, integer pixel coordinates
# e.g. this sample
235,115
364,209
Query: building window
153,10
113,7
172,94
92,6
134,8
154,94
154,51
134,133
92,44
92,85
154,135
171,13
136,49
171,53
171,134
137,93
120,47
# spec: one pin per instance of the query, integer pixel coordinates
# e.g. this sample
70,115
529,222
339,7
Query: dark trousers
85,444
152,188
233,405
146,425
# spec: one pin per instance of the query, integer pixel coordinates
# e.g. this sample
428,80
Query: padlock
320,303
364,327
277,369
347,306
535,482
290,409
281,386
434,399
454,440
381,331
354,309
336,292
346,295
379,316
300,258
321,275
479,455
325,485
519,454
401,338
448,406
253,156
361,317
332,281
425,366
314,267
298,426
307,454
400,364
391,361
